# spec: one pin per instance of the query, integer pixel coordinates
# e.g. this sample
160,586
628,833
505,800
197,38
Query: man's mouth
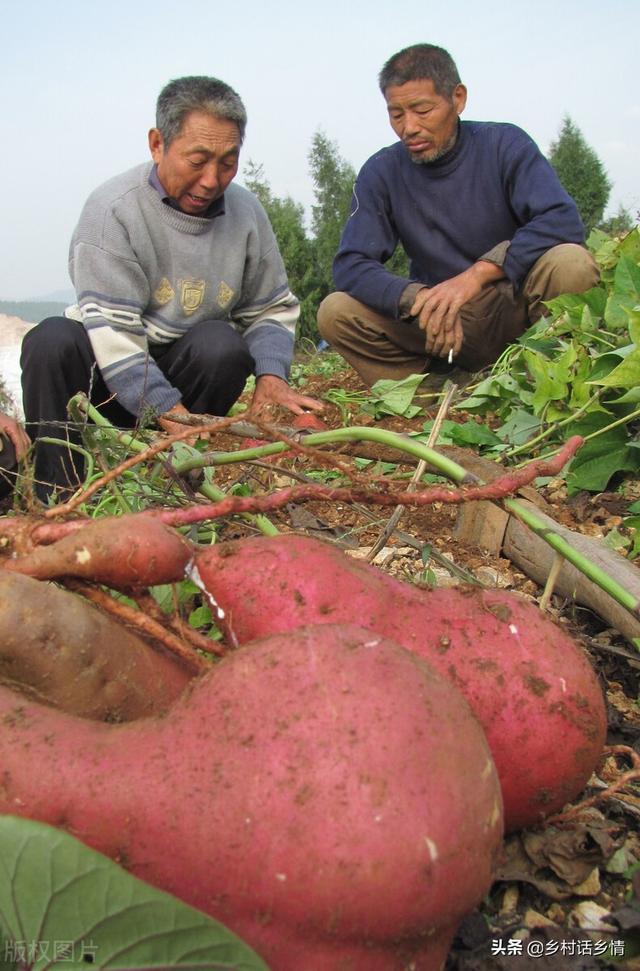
418,146
198,200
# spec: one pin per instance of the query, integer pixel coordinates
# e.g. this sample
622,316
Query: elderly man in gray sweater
181,290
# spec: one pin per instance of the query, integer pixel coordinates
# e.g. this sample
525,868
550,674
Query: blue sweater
494,186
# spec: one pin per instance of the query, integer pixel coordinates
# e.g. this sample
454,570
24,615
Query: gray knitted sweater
144,273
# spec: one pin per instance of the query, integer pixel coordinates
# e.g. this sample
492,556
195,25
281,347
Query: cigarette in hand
450,358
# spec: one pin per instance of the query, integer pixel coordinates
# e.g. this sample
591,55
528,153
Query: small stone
510,900
488,576
533,919
556,914
590,916
384,556
589,887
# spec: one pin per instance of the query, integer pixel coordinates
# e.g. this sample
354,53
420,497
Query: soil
567,895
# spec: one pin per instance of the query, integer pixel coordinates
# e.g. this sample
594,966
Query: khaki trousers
380,347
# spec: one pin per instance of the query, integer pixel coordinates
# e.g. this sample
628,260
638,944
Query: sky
79,80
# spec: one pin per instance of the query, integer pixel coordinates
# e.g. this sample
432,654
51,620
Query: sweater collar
215,209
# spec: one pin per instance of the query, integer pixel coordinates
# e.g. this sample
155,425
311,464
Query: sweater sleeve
112,293
268,311
546,213
369,239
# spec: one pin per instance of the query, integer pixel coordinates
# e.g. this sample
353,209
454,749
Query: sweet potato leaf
602,457
519,427
64,905
394,397
464,433
625,375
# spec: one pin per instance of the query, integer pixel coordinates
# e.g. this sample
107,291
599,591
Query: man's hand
16,434
172,427
438,308
272,391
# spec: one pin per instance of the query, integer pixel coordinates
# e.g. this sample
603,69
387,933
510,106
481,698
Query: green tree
297,250
619,224
581,173
333,180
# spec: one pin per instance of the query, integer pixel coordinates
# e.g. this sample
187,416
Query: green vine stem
357,433
581,562
86,454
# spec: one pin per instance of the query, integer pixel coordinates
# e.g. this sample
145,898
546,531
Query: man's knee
566,268
213,344
52,339
335,315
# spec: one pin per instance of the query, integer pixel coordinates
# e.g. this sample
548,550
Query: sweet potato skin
57,648
527,681
127,551
312,792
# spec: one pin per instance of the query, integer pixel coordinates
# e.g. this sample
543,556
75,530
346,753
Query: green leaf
56,892
601,457
604,248
634,325
625,375
519,428
492,393
201,616
542,345
627,278
630,246
594,472
550,381
470,433
616,541
397,395
604,364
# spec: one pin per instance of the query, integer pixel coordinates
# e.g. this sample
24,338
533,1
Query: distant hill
33,311
66,296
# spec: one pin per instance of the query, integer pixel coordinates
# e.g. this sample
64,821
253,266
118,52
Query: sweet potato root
125,551
527,681
323,793
56,647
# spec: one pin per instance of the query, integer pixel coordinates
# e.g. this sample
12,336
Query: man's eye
196,162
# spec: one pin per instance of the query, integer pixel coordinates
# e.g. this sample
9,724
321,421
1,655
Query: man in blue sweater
487,226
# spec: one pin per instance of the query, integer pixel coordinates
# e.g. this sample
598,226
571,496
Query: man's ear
459,97
156,144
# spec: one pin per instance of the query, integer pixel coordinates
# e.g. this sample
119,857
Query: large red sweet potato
323,793
527,681
56,647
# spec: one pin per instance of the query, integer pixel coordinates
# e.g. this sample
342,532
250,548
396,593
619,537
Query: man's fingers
307,404
448,337
421,298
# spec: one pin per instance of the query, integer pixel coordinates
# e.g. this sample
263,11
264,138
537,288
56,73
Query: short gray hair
421,62
198,93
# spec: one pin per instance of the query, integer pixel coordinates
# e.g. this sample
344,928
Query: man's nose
209,178
411,124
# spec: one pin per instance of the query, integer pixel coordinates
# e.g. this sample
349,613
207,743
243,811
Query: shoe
435,379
